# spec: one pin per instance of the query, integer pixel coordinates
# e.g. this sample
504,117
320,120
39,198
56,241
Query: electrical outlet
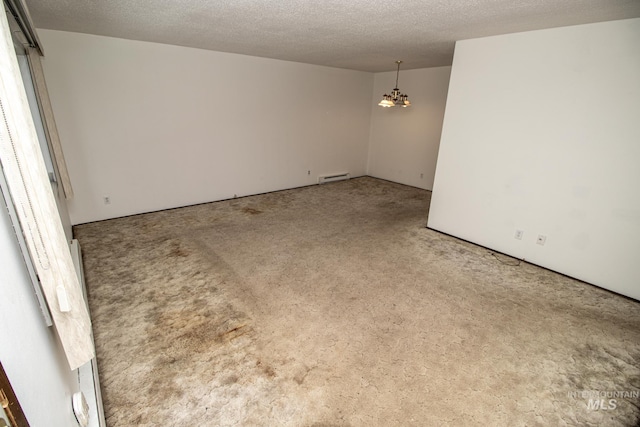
518,234
421,175
542,239
107,200
309,172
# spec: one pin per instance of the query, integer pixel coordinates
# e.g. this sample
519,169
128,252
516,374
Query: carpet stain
232,332
251,211
252,312
177,251
301,374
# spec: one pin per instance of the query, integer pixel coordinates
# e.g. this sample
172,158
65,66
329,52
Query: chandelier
396,99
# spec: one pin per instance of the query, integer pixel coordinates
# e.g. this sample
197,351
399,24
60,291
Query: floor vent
323,179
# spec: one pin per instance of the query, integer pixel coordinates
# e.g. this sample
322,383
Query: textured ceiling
367,35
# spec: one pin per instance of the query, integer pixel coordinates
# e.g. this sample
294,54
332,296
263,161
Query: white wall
30,352
403,146
541,134
156,126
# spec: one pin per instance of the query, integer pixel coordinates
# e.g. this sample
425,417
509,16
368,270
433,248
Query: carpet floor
333,305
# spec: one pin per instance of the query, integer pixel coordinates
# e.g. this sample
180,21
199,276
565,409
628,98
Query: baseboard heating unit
323,179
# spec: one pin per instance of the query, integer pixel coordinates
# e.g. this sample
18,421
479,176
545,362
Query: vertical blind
49,122
31,193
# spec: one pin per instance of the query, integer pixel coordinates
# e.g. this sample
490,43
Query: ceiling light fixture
396,99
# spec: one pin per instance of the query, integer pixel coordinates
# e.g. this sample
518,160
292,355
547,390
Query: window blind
32,196
49,122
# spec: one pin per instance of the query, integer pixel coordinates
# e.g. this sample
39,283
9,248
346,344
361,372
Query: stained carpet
333,305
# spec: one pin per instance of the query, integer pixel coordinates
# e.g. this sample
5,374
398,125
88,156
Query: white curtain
31,193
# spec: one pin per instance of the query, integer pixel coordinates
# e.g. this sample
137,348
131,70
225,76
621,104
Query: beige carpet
333,305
